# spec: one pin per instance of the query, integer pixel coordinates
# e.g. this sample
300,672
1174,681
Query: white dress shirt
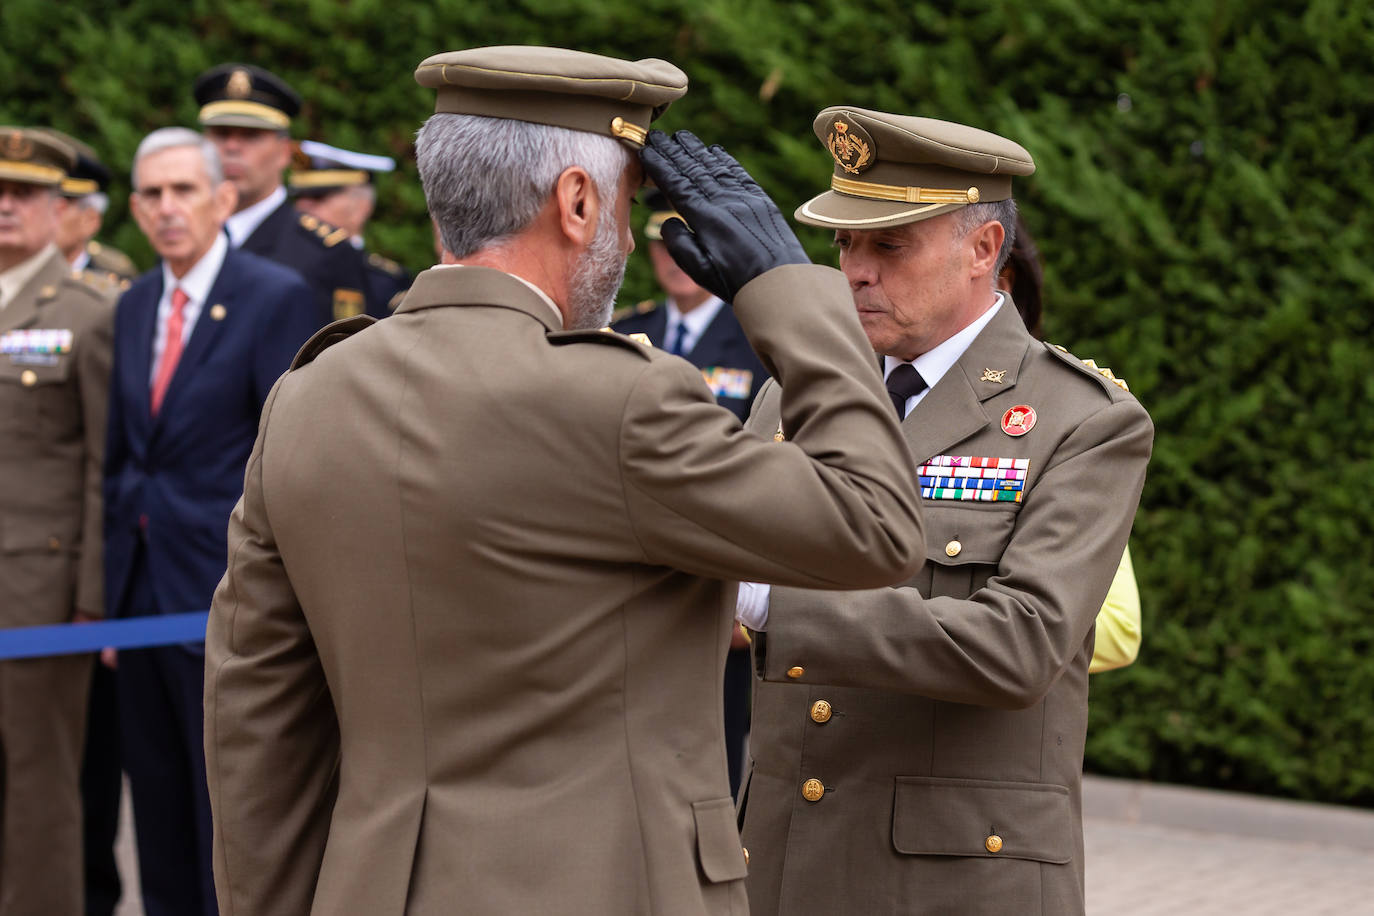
82,259
696,322
196,284
243,223
17,277
752,607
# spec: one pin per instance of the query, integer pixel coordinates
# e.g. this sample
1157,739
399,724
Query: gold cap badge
851,146
240,85
17,146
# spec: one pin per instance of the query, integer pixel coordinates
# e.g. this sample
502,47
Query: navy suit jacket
722,353
173,479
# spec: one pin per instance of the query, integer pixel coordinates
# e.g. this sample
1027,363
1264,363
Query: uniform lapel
712,347
953,411
657,327
42,286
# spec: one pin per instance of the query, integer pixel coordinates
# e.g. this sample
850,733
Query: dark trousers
162,739
737,684
100,790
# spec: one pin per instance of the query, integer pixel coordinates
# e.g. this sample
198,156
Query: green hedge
1202,205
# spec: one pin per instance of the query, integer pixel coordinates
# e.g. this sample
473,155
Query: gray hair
1004,212
96,200
486,179
172,137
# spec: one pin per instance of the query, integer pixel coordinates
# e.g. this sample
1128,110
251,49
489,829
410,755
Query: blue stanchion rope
129,633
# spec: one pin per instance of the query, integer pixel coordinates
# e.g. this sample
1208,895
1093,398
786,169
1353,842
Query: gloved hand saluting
736,233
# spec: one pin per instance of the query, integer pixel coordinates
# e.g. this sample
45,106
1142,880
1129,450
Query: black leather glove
736,233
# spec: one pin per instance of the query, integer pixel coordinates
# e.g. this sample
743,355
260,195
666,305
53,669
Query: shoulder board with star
327,234
103,281
110,260
604,336
1087,365
385,265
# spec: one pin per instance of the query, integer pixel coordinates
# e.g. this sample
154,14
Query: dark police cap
557,86
242,95
895,169
32,156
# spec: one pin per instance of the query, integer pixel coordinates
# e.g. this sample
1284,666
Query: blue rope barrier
128,633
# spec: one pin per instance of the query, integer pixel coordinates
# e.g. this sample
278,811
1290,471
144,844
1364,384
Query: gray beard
597,279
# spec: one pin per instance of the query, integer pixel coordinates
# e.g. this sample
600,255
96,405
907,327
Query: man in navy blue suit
198,343
703,330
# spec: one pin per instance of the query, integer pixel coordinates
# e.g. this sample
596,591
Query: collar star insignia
993,375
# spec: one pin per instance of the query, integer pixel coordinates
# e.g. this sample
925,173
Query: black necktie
902,383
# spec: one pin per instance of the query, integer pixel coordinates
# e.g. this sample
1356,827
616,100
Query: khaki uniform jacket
937,715
468,653
52,436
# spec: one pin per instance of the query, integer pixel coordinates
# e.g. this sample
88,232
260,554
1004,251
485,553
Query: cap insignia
240,85
851,146
17,146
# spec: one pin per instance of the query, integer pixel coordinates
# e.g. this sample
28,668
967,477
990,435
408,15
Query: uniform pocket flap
974,817
718,846
50,534
963,534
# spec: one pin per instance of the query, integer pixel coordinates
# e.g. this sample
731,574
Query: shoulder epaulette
329,335
329,235
604,336
384,264
102,281
1087,365
640,308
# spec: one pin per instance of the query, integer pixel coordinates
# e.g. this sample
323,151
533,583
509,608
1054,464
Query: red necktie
171,348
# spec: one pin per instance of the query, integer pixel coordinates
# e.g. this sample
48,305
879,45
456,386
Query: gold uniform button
952,548
28,378
54,544
993,843
820,712
746,854
796,671
812,790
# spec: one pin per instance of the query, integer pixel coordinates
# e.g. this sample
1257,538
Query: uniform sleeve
836,506
1118,623
1009,641
94,357
271,735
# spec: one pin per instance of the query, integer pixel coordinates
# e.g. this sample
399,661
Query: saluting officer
335,187
919,749
54,376
246,112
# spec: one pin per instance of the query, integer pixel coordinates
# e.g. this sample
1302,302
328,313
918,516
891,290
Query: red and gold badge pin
1018,421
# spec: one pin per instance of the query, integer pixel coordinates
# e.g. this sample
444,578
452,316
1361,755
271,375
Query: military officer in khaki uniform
54,373
510,702
918,749
86,190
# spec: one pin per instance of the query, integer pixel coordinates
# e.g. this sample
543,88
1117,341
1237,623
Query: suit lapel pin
778,436
993,375
217,312
1018,420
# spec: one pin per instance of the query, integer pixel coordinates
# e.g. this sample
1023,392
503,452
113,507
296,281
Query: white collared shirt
543,296
751,609
696,322
82,259
243,223
196,284
18,276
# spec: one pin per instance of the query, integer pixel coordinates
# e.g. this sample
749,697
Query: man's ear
985,242
579,205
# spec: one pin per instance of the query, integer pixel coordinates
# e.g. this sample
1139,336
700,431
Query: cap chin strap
901,194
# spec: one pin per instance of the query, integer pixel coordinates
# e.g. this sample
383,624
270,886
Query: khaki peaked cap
33,156
557,86
87,174
895,169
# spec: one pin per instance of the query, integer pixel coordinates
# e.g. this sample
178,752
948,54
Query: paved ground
1166,851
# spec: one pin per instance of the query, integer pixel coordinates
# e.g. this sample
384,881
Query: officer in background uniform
54,377
919,749
246,112
703,330
86,190
694,324
335,186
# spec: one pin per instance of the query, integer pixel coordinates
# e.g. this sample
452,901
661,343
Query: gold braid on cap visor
246,109
28,171
902,194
